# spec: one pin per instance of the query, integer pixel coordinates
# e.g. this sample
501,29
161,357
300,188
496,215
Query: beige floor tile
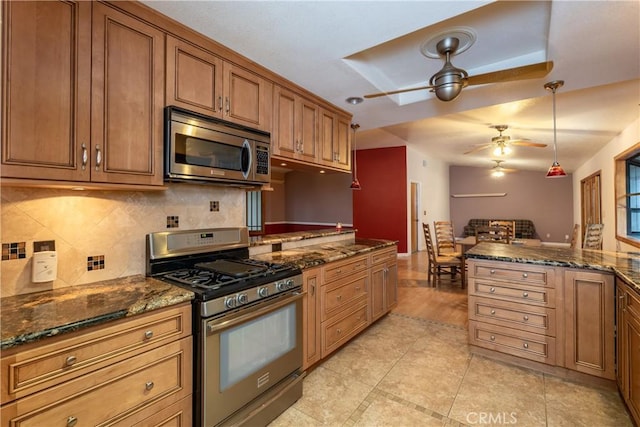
494,393
571,404
383,411
331,397
294,418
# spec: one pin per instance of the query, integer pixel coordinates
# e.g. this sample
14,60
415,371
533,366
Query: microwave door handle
245,159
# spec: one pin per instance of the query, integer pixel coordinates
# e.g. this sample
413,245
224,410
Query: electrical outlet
45,245
214,206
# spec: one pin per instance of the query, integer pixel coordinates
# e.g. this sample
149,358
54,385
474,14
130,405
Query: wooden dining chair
574,236
495,234
592,236
510,225
439,265
445,239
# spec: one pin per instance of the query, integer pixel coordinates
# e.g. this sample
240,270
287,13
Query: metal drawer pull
493,312
492,338
492,271
70,360
492,290
339,331
525,345
525,294
525,318
85,156
149,334
339,297
148,385
98,157
357,288
71,421
525,275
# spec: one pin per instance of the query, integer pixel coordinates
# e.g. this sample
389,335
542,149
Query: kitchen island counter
273,239
626,266
30,317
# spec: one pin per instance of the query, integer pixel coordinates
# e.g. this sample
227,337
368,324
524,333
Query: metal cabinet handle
71,421
228,105
339,297
525,345
492,338
525,318
492,290
357,288
85,156
148,385
525,275
148,334
98,157
220,103
492,271
339,331
493,312
525,294
70,360
313,290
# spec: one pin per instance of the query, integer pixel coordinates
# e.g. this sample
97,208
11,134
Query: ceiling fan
502,143
498,170
449,81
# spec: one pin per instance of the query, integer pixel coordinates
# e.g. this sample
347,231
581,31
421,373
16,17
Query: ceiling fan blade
478,148
528,144
532,71
393,92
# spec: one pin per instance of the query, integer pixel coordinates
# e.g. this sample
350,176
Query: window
255,212
627,185
633,196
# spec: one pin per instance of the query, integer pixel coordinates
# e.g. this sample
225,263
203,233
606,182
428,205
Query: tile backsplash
108,226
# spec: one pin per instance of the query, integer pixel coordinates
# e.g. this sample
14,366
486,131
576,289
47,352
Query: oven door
247,353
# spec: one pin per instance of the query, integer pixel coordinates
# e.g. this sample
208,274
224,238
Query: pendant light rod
355,184
555,171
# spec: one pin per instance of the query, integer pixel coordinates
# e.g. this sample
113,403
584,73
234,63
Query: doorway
591,208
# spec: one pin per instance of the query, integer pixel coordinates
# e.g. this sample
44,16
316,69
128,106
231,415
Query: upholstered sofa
524,227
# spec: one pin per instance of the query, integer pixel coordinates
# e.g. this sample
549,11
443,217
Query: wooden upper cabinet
335,142
295,126
46,79
84,93
247,97
194,78
127,99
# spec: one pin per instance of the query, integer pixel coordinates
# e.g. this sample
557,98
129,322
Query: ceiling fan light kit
555,171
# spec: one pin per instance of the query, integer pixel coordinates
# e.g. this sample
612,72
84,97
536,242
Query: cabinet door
343,143
194,78
378,273
391,286
47,86
284,139
311,319
621,368
247,97
308,130
589,322
632,355
328,137
127,99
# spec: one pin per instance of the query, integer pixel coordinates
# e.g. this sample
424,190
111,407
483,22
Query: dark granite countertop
271,239
626,266
312,255
31,317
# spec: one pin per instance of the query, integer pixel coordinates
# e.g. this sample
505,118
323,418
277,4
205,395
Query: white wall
603,161
432,176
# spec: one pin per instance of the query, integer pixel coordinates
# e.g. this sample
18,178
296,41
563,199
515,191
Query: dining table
468,242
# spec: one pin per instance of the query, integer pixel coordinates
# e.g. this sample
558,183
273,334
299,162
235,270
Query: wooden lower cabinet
311,280
124,373
384,282
558,316
628,347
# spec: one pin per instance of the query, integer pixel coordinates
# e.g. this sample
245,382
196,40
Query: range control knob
242,299
263,292
230,302
281,286
290,284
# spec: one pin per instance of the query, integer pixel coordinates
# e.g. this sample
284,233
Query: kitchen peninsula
570,311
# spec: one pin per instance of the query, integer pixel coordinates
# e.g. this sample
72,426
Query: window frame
248,208
622,196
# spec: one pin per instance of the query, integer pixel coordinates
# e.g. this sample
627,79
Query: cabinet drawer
340,269
531,318
112,393
519,343
513,292
384,255
336,296
513,272
47,365
338,331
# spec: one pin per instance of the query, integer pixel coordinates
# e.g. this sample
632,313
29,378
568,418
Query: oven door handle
215,326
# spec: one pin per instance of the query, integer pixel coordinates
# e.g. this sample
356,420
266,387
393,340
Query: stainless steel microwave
204,149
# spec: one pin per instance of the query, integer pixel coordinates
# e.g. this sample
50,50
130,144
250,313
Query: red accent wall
380,207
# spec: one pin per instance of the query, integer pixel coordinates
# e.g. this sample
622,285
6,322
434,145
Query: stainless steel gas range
247,323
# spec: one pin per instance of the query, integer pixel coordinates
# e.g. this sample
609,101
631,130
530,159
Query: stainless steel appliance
247,324
204,149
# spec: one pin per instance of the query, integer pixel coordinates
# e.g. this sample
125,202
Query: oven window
249,347
194,151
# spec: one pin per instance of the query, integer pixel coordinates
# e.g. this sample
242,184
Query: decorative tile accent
214,206
17,250
95,262
173,221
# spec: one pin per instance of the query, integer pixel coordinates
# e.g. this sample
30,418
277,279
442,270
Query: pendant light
355,184
555,171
